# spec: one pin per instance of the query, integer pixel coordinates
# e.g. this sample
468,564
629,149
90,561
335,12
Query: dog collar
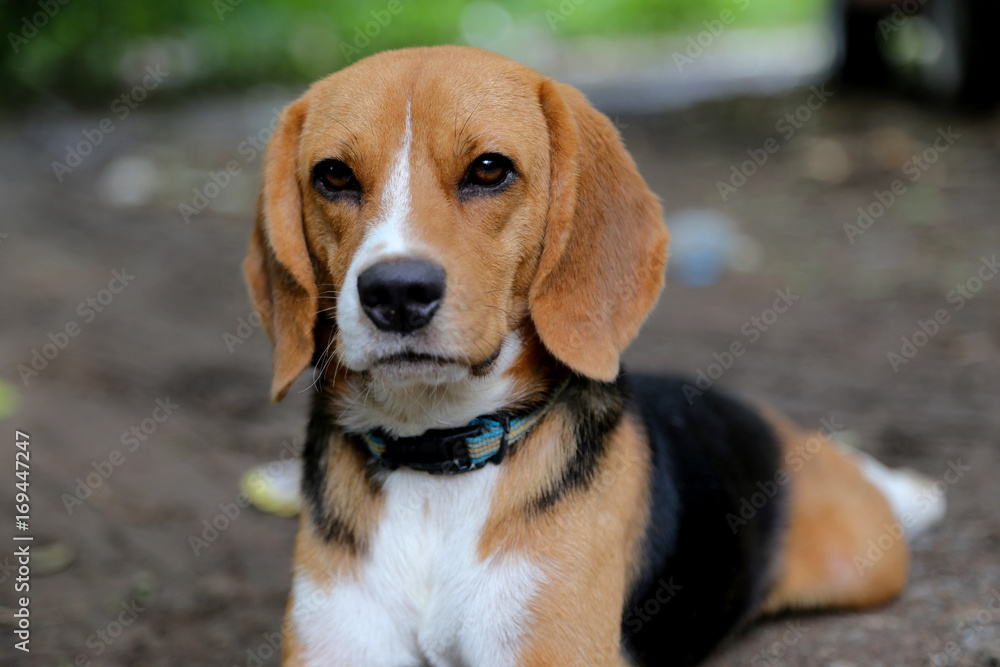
448,451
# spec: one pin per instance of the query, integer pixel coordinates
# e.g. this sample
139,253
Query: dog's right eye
334,179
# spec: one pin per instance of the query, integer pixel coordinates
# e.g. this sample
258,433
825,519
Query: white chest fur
423,597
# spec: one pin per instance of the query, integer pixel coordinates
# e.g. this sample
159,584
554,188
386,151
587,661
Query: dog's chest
423,595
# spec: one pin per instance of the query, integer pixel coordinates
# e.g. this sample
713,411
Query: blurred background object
80,52
946,49
84,51
705,242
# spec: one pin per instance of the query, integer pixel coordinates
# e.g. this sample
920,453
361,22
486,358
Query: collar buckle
504,420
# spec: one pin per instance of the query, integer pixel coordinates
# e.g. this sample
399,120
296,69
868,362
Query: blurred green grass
85,52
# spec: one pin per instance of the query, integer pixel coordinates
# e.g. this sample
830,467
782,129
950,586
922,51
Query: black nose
401,296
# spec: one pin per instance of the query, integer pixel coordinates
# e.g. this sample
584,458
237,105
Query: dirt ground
163,348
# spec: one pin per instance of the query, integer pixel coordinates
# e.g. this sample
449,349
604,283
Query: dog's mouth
422,365
413,358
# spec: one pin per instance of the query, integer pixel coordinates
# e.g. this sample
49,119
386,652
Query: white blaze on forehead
386,236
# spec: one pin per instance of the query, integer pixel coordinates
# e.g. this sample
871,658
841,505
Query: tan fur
351,500
278,266
605,244
834,512
589,538
291,650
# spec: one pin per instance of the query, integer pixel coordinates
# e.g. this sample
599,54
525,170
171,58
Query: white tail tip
917,501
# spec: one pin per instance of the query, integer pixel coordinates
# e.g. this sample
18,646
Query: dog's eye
490,170
333,177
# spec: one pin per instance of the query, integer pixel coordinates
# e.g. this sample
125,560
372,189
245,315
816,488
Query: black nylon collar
453,450
443,451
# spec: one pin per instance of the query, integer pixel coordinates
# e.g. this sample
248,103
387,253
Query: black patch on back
595,409
701,578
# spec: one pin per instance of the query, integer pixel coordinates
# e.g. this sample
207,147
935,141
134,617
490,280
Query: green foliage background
82,53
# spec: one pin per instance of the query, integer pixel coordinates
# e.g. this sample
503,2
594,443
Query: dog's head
426,212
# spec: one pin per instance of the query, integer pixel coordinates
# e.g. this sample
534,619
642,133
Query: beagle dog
462,248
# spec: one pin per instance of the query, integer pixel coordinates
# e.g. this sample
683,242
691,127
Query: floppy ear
605,244
278,268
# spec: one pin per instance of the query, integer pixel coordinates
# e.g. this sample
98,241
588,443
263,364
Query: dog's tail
917,501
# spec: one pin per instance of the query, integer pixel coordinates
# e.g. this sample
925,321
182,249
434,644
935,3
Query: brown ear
278,269
605,244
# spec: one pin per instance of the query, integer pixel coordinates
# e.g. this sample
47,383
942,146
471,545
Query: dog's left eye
490,170
333,178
